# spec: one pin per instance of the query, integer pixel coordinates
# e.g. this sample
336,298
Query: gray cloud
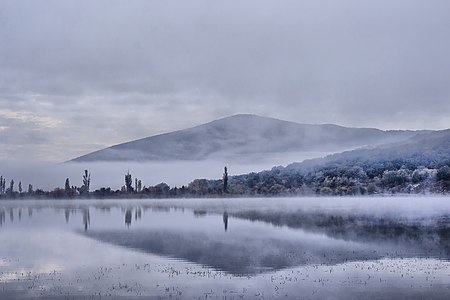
112,71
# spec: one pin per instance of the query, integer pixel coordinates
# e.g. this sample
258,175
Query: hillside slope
244,135
427,149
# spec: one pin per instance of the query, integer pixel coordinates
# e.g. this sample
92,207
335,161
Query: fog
237,136
339,248
47,176
76,76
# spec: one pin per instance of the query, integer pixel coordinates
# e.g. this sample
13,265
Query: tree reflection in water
128,217
86,219
225,220
284,239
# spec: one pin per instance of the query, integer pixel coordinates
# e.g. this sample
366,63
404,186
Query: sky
77,76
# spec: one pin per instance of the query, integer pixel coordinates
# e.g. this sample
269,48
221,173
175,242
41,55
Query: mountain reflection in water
247,241
286,240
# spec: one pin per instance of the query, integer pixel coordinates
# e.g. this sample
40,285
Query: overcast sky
76,76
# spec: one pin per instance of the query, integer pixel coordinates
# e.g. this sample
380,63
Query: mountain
430,149
245,135
418,165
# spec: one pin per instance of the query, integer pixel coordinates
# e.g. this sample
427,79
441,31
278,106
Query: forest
327,178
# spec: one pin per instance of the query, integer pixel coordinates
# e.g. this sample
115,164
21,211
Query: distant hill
242,135
418,165
430,149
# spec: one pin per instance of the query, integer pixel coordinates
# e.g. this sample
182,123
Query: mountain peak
244,135
248,118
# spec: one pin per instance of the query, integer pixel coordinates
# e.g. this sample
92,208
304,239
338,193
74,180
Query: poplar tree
67,186
11,186
225,180
86,182
128,182
2,185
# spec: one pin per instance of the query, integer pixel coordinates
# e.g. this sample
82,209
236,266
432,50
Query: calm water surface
288,248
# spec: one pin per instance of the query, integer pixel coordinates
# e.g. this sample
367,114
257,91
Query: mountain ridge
431,149
245,134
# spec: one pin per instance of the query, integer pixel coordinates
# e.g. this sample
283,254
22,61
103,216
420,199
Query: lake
258,248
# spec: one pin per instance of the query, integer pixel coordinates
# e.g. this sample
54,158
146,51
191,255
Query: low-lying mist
47,176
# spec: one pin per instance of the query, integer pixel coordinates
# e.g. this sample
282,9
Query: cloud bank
76,76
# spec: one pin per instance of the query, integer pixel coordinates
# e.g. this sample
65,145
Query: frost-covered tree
443,173
20,187
2,185
139,186
30,189
129,182
67,185
420,174
11,186
84,190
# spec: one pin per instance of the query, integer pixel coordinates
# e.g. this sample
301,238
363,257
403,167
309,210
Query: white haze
79,75
47,176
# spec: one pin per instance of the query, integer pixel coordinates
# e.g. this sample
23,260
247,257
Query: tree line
332,179
130,189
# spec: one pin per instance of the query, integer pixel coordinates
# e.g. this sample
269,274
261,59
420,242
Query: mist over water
148,92
324,248
47,175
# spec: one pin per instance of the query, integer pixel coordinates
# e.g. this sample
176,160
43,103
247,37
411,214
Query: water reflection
199,213
314,238
137,214
86,219
128,217
429,237
260,241
2,217
225,220
67,214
